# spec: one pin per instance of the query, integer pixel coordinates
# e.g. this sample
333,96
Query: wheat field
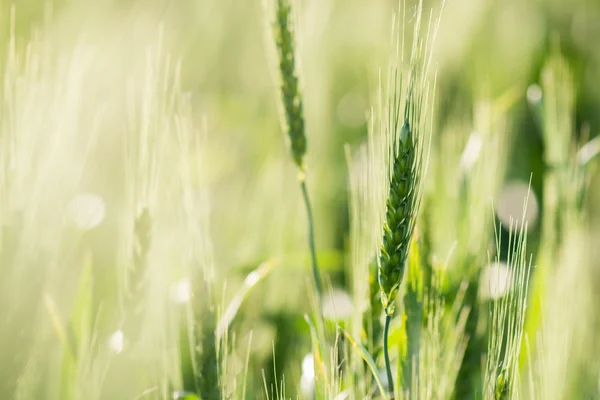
299,199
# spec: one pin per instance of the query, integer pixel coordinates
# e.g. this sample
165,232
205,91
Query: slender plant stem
311,244
386,355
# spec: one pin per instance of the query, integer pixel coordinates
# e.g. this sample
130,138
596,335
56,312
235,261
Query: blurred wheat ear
284,37
137,273
291,97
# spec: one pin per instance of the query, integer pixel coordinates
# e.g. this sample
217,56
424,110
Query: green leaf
68,367
320,368
81,315
413,318
75,337
183,395
368,359
251,281
588,152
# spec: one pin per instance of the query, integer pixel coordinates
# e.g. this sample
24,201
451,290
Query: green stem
386,355
311,243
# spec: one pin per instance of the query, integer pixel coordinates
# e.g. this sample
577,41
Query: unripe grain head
406,128
400,217
291,97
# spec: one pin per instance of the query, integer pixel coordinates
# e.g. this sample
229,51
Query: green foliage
366,356
413,309
320,369
372,326
208,374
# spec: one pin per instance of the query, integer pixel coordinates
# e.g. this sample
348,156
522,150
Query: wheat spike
400,216
293,117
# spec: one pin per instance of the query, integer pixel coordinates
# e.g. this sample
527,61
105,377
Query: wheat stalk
291,103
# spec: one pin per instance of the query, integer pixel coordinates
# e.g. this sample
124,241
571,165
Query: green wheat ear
401,212
403,136
291,97
406,128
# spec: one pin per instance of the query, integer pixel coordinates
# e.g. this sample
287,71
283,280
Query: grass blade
250,282
368,359
320,368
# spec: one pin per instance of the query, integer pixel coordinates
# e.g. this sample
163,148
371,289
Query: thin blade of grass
250,282
413,301
368,359
319,363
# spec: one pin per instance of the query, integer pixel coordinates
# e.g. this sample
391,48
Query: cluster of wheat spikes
436,358
406,127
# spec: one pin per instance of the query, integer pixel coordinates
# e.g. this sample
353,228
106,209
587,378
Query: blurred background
80,76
